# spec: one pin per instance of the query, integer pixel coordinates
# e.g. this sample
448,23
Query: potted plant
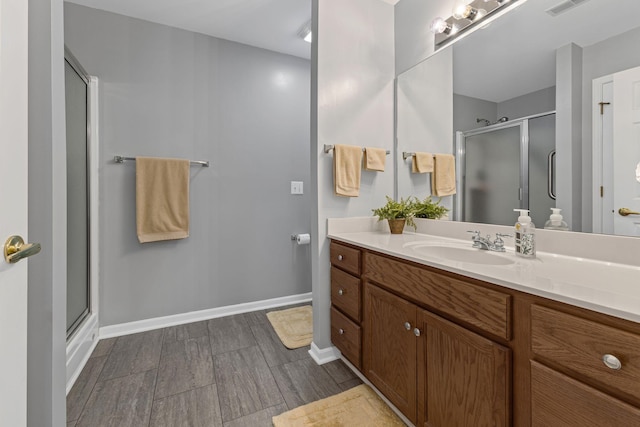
427,208
397,213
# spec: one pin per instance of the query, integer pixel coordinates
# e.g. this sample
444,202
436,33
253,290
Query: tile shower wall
172,93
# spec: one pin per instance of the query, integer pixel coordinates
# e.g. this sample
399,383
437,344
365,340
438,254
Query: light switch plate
296,187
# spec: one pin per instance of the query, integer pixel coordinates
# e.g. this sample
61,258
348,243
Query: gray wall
46,364
174,93
540,101
467,109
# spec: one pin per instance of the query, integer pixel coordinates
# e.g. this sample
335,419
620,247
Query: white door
626,152
13,209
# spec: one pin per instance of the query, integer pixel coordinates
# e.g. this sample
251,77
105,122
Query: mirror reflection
538,109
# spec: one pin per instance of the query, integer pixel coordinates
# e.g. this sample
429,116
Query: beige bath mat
294,326
357,407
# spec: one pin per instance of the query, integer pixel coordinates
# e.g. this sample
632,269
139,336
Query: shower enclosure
505,166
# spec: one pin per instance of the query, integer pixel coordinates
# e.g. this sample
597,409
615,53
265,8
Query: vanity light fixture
305,32
465,15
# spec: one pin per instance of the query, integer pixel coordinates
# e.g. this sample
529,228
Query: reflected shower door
492,176
542,146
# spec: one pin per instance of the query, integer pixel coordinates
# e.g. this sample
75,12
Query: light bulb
439,26
462,10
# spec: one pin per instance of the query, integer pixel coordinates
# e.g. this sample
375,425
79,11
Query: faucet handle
498,244
476,234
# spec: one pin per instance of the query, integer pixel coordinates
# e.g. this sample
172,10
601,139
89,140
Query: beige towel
422,163
374,159
347,163
443,181
162,199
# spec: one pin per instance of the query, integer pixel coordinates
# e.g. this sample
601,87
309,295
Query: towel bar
406,155
329,147
122,159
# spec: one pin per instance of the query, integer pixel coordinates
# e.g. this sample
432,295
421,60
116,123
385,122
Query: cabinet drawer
345,293
557,400
485,308
345,257
346,335
579,345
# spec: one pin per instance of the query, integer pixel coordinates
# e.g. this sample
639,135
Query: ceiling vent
564,6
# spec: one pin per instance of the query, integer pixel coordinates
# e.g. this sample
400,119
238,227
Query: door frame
600,203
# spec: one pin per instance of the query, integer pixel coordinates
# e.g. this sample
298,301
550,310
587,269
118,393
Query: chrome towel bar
122,159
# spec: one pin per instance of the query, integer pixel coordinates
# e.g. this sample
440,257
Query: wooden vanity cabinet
583,372
437,373
452,351
346,301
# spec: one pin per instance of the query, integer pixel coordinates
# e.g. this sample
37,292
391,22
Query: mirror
540,72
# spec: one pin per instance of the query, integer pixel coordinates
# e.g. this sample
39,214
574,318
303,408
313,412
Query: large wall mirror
519,104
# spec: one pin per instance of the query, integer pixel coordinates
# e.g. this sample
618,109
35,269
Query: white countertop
604,287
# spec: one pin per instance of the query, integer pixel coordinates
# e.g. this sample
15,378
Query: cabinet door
389,351
463,379
557,400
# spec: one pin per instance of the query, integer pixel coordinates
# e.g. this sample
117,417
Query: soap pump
555,221
525,235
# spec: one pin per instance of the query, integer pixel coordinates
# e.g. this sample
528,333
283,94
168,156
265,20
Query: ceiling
269,24
515,54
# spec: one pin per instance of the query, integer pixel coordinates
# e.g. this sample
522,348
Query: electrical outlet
296,187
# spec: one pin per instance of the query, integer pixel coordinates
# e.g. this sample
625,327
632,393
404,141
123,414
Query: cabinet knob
340,292
417,332
611,362
407,326
341,331
340,257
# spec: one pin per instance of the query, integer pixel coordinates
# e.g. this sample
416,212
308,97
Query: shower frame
460,153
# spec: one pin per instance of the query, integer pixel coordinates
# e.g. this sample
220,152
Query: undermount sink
453,252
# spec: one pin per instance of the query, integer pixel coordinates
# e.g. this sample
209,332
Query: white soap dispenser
555,221
525,235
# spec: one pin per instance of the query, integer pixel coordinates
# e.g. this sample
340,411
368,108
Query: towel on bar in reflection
422,163
374,159
443,180
347,164
162,199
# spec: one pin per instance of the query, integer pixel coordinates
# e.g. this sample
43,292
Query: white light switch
296,187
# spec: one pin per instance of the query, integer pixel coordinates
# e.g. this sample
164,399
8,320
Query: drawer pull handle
612,362
341,292
417,332
407,326
341,331
340,257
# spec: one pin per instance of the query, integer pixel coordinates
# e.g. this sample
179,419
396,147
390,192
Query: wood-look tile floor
228,372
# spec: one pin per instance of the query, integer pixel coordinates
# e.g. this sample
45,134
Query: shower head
485,121
503,119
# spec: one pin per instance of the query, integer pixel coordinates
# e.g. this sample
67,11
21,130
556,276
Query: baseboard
325,355
367,382
80,347
195,316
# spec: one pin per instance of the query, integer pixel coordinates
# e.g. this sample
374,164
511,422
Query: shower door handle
551,176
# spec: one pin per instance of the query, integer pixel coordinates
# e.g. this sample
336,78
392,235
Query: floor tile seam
232,350
280,388
260,410
185,391
84,405
155,381
128,374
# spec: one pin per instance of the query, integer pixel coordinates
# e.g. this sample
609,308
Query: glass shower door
76,92
491,175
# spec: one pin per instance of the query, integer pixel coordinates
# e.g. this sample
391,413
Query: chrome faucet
486,244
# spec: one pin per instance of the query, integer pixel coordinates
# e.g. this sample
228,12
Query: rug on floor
294,326
356,407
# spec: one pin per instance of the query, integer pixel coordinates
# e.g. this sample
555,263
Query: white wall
352,103
424,119
167,92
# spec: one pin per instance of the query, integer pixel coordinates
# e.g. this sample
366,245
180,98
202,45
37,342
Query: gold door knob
15,249
627,211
